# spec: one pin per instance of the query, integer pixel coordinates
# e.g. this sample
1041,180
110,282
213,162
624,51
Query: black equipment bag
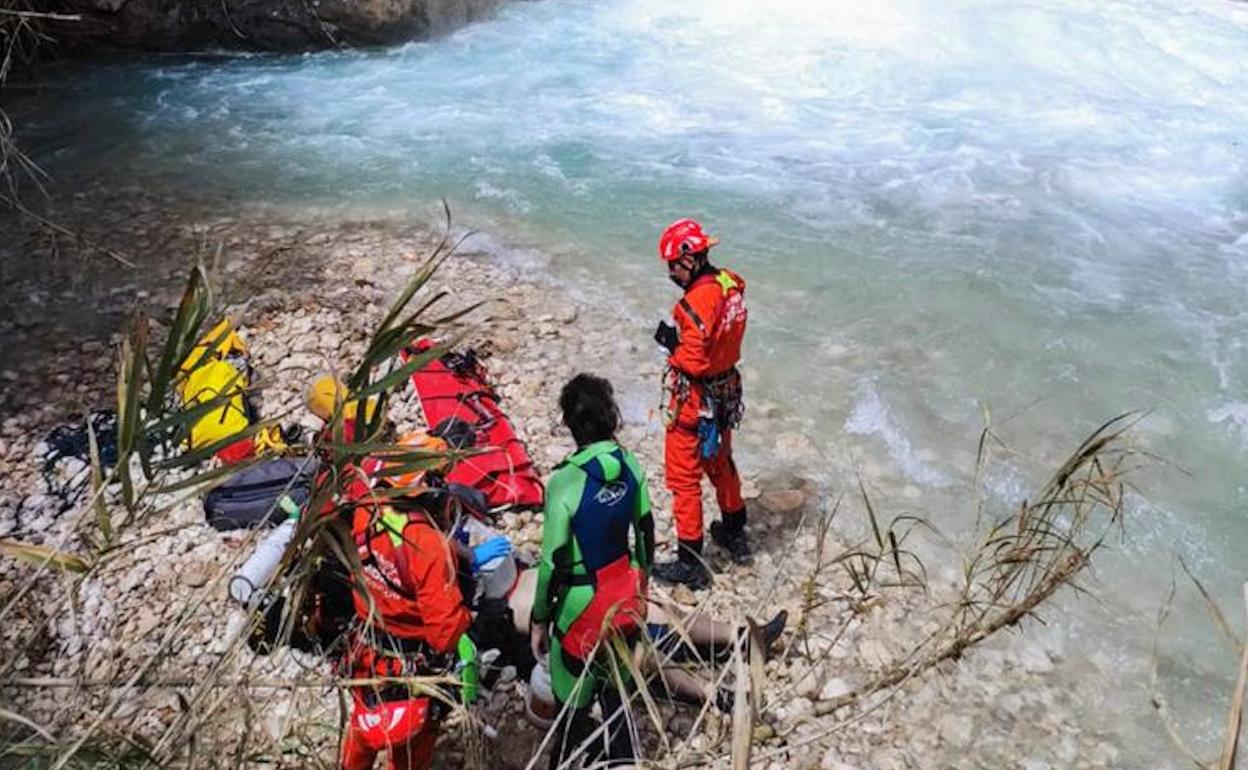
250,498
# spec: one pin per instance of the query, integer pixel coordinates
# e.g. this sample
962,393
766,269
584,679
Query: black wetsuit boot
575,725
620,751
729,534
687,569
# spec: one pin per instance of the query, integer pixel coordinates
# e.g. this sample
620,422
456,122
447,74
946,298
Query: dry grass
21,36
1021,560
1228,755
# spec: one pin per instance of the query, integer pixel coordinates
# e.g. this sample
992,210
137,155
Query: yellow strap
393,522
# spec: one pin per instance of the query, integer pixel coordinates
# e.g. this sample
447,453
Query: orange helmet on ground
411,471
682,237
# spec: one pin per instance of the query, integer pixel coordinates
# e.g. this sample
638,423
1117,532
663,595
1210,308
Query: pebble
834,688
832,761
957,730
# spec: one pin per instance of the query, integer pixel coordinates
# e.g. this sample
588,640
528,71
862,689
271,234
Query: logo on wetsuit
611,494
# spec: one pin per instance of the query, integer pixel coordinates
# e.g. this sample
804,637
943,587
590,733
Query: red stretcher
460,406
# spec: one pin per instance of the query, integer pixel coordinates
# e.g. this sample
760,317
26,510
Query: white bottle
540,706
247,584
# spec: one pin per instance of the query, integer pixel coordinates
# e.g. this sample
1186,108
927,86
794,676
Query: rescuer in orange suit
411,620
703,400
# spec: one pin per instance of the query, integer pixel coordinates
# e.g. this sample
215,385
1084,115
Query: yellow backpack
216,366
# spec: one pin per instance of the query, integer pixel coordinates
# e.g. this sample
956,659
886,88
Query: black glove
666,336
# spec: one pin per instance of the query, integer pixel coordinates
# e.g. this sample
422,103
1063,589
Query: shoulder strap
726,283
693,316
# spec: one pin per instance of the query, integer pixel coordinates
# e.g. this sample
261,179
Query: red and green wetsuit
598,536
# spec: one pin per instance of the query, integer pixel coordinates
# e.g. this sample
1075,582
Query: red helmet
683,237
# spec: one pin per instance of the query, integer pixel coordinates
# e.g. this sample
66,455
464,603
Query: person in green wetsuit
597,549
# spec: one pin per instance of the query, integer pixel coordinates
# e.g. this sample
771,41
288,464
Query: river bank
306,286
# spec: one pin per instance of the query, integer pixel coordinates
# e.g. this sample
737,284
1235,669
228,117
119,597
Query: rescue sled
461,407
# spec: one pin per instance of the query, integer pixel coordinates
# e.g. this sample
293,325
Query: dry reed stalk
1021,562
21,36
1235,717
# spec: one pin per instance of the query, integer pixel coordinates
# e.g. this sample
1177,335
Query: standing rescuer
703,400
597,545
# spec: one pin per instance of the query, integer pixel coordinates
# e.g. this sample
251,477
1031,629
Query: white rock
1105,754
146,622
835,687
1067,750
765,409
874,652
832,761
196,575
809,682
957,730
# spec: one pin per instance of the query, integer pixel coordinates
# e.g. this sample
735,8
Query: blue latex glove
488,551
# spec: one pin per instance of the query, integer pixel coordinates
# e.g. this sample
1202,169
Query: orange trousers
684,466
415,754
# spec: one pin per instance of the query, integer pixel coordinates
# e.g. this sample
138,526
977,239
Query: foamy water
1035,211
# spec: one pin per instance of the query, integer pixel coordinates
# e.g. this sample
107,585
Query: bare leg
686,686
521,600
700,628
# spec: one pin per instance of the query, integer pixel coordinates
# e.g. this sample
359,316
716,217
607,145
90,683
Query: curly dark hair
589,409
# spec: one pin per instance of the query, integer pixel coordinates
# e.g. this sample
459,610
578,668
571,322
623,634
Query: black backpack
250,498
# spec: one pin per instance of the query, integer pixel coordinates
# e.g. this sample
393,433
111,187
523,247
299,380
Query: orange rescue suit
410,574
412,595
711,321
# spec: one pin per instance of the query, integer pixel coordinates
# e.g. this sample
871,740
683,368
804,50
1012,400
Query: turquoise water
942,208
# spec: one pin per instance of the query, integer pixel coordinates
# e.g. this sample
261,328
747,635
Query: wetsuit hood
607,469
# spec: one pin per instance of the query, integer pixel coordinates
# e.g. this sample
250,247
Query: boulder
783,500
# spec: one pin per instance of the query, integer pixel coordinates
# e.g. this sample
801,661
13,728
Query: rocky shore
148,639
